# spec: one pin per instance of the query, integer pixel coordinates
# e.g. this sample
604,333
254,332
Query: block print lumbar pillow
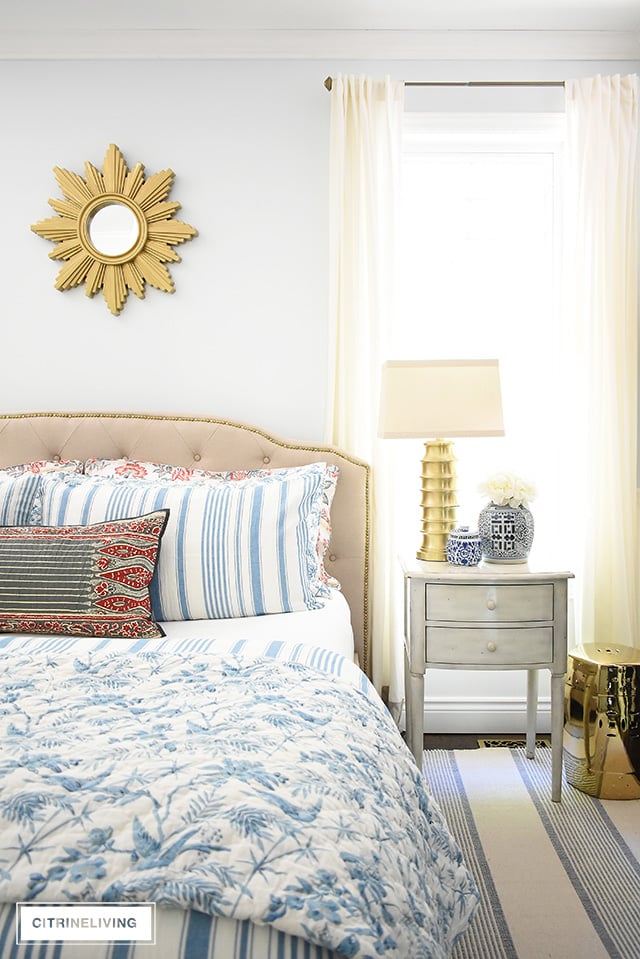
81,580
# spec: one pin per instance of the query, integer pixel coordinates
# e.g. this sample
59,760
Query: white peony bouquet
507,489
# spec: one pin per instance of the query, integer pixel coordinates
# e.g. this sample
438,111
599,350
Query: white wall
245,334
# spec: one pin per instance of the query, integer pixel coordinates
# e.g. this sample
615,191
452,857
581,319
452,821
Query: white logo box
85,922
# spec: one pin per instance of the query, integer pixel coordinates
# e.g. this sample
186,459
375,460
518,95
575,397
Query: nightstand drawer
468,603
451,645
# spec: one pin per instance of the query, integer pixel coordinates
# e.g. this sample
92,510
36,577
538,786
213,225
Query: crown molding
70,44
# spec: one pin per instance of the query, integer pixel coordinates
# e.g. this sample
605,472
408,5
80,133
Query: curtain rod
472,83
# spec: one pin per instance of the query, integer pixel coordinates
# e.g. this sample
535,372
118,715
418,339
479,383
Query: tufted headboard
209,443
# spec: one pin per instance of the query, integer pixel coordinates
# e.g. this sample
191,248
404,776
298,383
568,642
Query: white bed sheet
328,627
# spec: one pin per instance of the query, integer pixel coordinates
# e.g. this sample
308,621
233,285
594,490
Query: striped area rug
558,880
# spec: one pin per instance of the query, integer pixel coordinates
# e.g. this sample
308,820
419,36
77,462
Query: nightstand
486,617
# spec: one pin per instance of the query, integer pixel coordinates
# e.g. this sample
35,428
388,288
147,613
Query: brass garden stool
602,721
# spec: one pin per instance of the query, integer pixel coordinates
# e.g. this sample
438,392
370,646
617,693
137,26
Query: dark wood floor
464,740
451,740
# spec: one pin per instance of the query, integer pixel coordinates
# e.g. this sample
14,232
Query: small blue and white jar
464,548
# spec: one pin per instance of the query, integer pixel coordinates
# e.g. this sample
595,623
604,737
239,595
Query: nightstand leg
557,724
414,707
407,698
532,711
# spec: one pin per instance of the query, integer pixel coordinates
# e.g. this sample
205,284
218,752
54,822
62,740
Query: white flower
507,489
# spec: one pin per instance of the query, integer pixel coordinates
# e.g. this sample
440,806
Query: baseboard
482,715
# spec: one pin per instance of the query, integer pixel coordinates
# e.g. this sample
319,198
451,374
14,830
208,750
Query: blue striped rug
497,803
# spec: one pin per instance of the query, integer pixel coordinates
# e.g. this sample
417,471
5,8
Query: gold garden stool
601,742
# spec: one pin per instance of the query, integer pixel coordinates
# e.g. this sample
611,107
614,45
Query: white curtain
366,131
601,274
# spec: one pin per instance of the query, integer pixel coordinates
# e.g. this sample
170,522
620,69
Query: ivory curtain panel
366,131
601,271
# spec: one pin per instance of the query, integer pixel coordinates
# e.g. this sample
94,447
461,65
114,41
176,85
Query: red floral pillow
81,580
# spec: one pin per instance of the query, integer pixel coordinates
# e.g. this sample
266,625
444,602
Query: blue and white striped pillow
17,496
229,549
20,485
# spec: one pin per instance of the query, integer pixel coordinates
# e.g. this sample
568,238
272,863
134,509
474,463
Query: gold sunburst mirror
115,230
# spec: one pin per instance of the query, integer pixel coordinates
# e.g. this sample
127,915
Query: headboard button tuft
56,458
196,457
266,460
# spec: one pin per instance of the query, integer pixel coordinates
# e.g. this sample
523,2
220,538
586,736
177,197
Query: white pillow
229,549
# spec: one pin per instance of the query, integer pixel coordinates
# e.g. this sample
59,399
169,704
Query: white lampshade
422,398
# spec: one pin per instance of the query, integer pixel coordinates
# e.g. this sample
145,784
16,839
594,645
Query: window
479,256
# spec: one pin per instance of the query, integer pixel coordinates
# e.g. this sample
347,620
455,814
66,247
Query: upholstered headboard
209,443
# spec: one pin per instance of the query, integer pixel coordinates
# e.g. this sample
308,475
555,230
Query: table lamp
439,398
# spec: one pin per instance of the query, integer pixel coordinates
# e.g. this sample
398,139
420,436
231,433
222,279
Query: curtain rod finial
328,83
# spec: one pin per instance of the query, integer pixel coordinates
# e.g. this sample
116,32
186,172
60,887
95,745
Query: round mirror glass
113,229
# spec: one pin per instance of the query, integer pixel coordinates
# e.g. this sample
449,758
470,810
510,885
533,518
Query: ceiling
312,28
619,15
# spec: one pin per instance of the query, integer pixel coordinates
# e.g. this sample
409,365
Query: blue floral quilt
251,787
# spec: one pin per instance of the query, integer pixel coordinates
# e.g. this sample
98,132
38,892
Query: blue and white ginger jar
463,547
506,533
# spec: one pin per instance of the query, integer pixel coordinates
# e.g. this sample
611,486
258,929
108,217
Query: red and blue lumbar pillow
81,580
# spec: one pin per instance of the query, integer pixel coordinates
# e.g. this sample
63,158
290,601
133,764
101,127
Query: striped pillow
229,550
19,487
80,580
141,469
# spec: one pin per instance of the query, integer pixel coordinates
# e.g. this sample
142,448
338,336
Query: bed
206,736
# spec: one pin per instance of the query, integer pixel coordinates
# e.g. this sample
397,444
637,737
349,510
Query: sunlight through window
479,259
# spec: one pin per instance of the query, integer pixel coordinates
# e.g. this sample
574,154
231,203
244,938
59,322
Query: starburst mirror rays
114,230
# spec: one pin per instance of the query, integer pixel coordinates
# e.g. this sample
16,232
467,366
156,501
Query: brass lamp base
438,499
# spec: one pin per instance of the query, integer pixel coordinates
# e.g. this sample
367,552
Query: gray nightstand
486,617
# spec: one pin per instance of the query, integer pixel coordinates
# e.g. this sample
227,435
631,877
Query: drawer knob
491,604
491,646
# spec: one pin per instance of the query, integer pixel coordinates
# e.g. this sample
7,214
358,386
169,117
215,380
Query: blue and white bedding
260,794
